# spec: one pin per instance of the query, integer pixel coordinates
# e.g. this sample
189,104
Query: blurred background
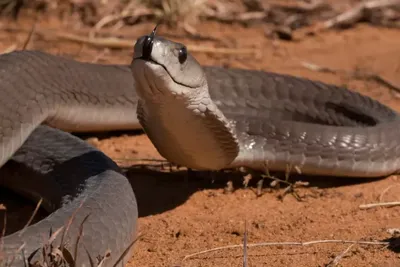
350,43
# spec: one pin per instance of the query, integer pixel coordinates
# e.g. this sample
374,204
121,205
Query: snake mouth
153,62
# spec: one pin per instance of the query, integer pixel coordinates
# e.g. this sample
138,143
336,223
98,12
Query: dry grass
91,12
282,18
174,11
53,255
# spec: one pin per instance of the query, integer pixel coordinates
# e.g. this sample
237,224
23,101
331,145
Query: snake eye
182,56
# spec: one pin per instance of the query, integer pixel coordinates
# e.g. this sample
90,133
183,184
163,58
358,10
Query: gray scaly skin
206,118
263,119
37,88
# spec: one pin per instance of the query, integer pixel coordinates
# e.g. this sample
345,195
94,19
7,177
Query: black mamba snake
200,117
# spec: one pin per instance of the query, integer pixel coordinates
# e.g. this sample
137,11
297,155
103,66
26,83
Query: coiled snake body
203,118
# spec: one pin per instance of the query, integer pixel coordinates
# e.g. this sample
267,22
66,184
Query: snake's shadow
159,191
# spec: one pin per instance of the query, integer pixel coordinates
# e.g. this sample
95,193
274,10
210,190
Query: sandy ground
181,214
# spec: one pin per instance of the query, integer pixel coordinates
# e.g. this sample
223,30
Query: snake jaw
156,85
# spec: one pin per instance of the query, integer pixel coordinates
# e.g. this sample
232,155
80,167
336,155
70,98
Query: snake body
200,117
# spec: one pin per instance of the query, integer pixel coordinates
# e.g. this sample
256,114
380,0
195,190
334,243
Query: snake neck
191,132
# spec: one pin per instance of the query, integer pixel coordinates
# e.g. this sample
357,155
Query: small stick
54,235
376,243
140,159
356,13
70,220
315,67
354,74
80,234
113,42
32,216
242,17
245,245
380,204
10,49
99,56
386,190
336,260
3,231
20,249
30,35
137,12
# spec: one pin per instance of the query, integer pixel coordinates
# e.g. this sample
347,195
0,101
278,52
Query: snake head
166,67
175,108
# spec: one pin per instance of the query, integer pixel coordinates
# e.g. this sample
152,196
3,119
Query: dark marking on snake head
148,44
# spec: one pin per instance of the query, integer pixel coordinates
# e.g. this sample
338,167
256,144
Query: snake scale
200,117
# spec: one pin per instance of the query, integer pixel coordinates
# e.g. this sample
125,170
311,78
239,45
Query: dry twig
336,260
264,244
32,216
113,42
30,35
354,74
380,204
245,245
358,13
386,190
10,49
126,12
